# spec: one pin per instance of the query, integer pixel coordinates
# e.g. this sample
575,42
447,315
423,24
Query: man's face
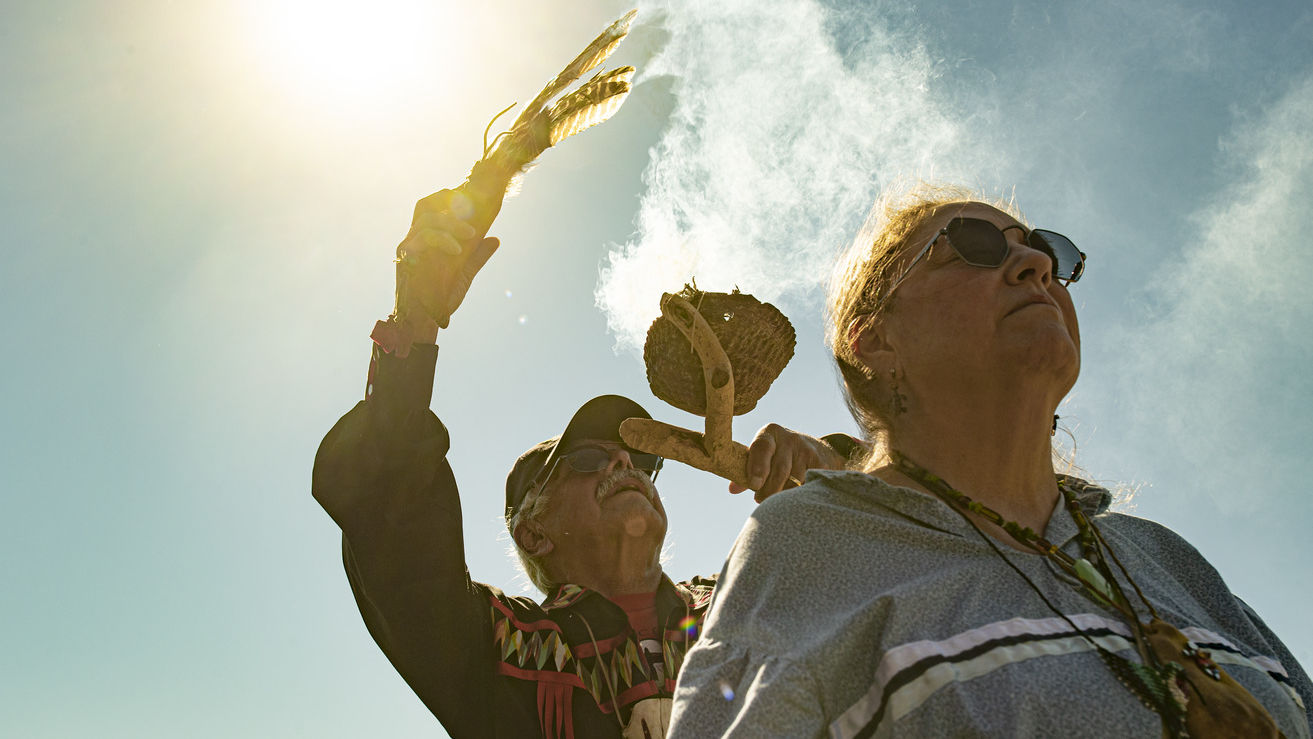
598,500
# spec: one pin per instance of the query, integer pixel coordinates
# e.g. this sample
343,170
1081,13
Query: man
598,657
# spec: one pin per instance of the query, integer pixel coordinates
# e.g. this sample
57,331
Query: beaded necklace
1103,589
1160,680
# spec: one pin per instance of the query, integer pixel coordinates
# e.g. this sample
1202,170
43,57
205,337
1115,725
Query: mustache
626,478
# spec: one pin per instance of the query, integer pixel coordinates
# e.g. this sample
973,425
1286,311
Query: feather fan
478,200
540,127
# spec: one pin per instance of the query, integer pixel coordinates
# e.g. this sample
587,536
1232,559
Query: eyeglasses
595,459
982,244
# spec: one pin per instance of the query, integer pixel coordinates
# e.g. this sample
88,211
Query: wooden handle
683,445
717,372
714,450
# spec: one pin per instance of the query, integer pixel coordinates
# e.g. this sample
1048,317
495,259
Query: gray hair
859,290
531,509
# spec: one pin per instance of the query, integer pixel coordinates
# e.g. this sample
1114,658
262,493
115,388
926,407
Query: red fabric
641,610
543,624
387,334
602,646
566,679
554,710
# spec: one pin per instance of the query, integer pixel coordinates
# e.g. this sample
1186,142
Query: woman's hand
779,458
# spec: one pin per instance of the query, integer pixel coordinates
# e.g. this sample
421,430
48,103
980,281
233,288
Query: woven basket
756,336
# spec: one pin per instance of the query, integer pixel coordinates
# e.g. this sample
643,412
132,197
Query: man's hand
779,458
437,261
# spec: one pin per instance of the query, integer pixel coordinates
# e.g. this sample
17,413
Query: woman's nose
1025,262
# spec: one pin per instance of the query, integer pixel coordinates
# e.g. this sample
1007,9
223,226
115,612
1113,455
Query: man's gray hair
533,507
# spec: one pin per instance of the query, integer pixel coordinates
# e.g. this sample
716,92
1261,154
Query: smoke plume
777,144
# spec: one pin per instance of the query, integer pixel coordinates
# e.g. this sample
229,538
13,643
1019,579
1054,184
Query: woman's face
951,322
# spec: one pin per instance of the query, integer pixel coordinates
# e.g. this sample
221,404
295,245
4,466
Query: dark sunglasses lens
1068,262
592,459
645,462
978,242
588,459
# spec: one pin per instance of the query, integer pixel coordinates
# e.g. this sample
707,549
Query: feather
593,55
594,101
589,105
539,127
614,81
513,152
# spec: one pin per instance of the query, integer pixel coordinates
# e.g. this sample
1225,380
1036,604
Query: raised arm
381,473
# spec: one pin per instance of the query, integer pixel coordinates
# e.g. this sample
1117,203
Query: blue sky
200,203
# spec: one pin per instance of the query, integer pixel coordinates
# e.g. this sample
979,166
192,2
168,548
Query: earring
897,404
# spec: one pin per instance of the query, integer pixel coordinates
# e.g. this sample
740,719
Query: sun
344,55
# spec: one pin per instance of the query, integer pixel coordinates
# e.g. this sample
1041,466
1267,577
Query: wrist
396,335
420,329
416,320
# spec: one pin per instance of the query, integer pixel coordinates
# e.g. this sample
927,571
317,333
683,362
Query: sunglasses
982,244
596,458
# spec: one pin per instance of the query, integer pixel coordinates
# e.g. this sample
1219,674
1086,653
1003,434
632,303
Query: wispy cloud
1227,348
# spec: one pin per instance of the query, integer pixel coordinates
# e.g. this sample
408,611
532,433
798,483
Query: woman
914,597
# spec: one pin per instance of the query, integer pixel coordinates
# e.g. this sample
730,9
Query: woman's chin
1050,352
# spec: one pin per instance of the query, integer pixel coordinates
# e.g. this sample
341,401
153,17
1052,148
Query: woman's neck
999,454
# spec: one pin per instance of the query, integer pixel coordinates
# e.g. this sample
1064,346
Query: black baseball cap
599,418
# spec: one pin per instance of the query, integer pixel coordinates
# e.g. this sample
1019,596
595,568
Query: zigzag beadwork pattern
543,650
530,650
526,648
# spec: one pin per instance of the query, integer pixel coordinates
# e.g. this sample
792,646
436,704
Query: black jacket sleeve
381,473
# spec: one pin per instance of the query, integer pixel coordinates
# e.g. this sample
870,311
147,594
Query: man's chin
637,526
642,517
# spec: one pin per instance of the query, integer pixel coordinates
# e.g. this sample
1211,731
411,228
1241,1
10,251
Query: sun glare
352,55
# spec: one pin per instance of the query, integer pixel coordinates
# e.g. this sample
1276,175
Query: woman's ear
869,345
533,539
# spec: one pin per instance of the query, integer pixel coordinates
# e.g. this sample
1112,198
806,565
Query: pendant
1204,659
1093,579
1218,706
